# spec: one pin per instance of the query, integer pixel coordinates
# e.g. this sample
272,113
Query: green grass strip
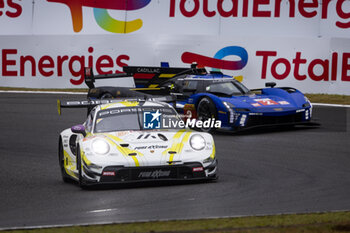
329,99
318,222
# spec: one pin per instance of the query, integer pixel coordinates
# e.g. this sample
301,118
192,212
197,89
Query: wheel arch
216,100
199,97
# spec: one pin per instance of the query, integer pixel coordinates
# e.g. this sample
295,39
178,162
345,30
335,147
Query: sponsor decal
122,133
152,147
105,173
266,101
278,109
110,112
256,104
157,147
217,62
78,128
13,9
190,111
154,174
283,102
15,64
102,17
262,9
148,70
197,169
329,67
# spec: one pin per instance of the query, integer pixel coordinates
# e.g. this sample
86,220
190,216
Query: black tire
81,181
65,176
206,110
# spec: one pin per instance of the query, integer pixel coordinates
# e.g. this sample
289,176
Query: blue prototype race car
203,96
222,97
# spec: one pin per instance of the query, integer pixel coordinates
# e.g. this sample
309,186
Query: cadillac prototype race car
127,141
203,95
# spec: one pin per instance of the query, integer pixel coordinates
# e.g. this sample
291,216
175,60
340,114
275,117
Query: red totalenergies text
14,64
258,8
329,67
10,9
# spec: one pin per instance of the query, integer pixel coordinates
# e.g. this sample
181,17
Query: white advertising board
297,18
299,43
311,65
16,17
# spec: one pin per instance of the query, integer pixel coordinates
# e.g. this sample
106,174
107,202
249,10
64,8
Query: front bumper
121,174
250,120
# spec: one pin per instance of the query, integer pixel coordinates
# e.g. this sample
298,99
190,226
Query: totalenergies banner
304,44
206,17
312,65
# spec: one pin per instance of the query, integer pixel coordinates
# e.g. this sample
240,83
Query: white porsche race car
125,141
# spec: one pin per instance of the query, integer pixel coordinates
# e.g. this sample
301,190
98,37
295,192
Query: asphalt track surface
261,172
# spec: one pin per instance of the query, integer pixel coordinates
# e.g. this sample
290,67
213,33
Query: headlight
232,114
100,147
197,142
228,105
307,104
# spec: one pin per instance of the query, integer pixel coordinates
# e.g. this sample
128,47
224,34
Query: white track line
102,210
331,105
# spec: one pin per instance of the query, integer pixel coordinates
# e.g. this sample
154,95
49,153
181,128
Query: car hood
262,103
151,147
146,136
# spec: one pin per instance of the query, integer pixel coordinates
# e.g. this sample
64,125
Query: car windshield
135,118
227,88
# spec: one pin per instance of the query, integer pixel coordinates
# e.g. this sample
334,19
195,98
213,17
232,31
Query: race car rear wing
144,76
93,103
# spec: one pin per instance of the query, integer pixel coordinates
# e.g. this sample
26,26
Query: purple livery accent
78,129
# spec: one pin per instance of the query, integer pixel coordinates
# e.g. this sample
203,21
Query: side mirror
270,84
79,129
